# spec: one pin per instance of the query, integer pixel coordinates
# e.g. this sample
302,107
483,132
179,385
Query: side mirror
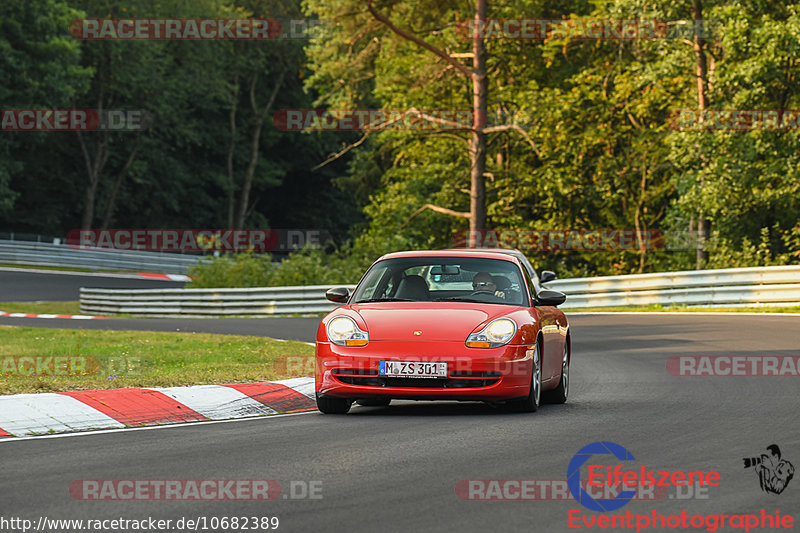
550,298
339,295
547,275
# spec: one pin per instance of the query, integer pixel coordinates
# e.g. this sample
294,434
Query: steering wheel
482,291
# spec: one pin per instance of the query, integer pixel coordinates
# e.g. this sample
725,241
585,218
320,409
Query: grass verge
57,360
67,268
42,308
45,267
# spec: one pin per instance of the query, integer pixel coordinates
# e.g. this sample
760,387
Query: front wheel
530,403
560,393
330,405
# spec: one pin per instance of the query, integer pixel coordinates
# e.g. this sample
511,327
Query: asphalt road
396,468
57,286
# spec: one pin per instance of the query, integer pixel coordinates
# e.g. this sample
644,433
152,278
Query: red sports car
472,324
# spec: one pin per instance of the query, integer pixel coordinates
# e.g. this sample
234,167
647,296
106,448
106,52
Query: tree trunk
94,168
88,207
637,219
480,90
702,102
477,142
112,199
255,141
231,149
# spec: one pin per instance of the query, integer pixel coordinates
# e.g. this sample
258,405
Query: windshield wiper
371,300
462,299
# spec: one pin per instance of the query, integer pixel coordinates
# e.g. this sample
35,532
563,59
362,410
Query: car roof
508,251
487,253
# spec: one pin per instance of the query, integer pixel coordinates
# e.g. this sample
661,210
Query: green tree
39,69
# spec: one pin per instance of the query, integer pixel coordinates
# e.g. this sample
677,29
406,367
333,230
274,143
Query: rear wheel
530,403
330,405
374,402
560,393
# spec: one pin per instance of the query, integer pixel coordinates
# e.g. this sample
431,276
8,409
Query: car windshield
431,279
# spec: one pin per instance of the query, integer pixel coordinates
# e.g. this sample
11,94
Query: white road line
147,428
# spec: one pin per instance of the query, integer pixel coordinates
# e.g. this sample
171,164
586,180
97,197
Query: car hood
434,322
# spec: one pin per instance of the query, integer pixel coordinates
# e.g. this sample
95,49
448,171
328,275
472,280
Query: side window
369,290
379,284
531,286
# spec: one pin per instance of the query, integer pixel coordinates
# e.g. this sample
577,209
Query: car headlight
344,331
496,333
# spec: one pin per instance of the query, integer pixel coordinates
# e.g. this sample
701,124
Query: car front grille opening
417,383
354,372
475,374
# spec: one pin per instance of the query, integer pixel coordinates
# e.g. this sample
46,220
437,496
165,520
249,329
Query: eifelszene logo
574,476
617,476
774,473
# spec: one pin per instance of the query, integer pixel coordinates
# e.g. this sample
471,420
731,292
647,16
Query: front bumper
493,374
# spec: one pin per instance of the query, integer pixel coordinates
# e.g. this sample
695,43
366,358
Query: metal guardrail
62,255
724,287
779,285
207,302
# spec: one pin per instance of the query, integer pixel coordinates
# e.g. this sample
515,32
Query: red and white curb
165,277
73,317
125,275
65,412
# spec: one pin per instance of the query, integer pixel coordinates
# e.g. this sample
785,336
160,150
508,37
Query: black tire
530,403
374,402
560,393
330,405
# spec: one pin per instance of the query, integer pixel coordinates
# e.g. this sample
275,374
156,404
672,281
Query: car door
550,321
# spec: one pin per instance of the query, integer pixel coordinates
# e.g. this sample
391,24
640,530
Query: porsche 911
467,324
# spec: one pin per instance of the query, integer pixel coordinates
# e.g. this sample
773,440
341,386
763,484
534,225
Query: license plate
413,369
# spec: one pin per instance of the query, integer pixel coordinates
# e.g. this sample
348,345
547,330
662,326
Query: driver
483,282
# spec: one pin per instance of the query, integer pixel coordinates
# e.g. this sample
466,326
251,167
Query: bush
308,267
242,270
775,247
